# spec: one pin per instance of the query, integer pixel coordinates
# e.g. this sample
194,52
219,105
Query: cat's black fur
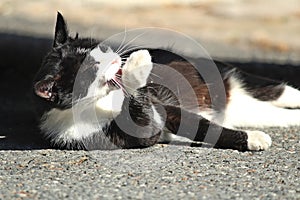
53,88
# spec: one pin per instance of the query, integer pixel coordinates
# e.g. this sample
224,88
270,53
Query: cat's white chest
62,126
82,120
111,104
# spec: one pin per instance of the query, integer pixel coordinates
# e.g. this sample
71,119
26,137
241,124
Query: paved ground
159,172
28,170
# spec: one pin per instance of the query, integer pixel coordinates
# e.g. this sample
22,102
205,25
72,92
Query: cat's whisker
106,67
133,48
156,75
119,84
114,83
131,41
124,86
124,38
133,89
125,47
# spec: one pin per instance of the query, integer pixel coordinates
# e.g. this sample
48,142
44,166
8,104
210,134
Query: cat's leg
139,124
136,70
265,89
199,129
254,101
289,98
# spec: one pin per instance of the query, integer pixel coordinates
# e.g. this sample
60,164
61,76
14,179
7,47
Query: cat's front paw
136,70
258,140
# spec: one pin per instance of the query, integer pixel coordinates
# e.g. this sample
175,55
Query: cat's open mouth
45,89
116,80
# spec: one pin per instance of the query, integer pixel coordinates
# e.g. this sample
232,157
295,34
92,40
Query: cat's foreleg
136,70
139,124
200,129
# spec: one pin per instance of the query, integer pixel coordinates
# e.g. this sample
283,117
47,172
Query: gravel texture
159,172
30,170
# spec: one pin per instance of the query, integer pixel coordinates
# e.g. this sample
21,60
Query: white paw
137,70
258,140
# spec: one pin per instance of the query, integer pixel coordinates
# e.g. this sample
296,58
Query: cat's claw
258,140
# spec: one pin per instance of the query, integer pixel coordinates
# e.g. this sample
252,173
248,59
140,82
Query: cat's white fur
108,63
112,103
136,70
62,121
258,140
290,98
156,116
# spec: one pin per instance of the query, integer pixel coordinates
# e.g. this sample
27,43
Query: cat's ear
61,31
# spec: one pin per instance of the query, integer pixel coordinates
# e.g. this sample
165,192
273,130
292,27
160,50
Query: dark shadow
21,57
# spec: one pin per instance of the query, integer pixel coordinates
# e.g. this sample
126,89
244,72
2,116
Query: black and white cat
90,97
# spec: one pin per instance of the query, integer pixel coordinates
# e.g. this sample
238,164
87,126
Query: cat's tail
259,102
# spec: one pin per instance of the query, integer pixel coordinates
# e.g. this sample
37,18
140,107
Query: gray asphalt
159,172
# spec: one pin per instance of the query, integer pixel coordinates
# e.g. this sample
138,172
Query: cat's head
82,68
55,80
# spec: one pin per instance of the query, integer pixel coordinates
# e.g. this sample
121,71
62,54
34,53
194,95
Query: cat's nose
116,61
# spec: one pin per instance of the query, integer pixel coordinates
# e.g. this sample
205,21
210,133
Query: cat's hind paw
258,141
137,70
